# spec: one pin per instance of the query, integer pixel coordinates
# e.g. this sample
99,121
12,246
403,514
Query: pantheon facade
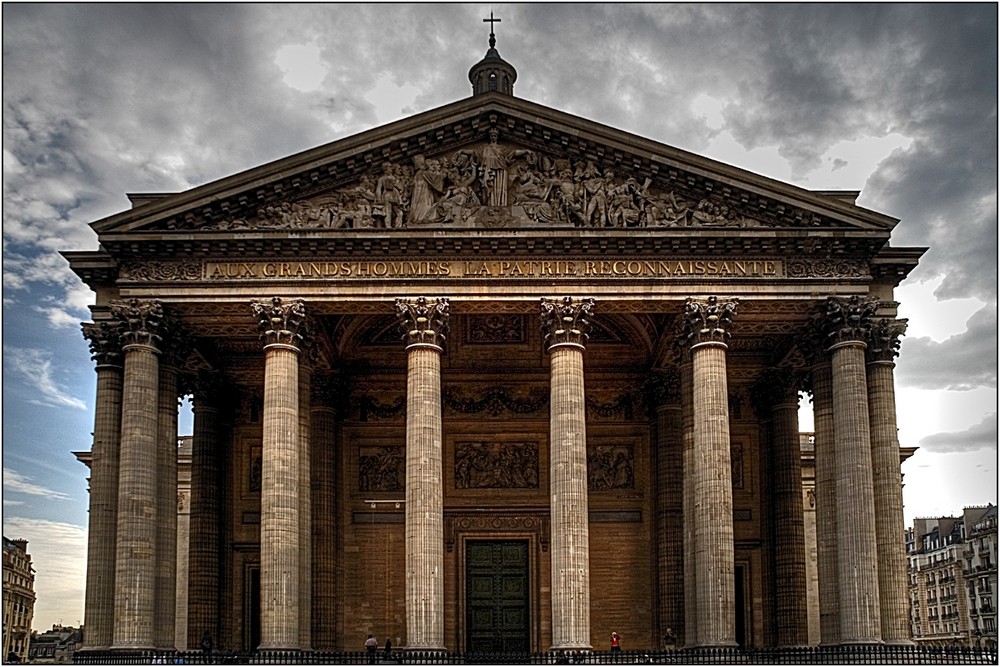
494,377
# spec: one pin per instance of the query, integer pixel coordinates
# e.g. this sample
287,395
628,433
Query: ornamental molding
142,321
105,342
423,321
804,267
708,321
497,400
566,322
280,322
884,339
844,320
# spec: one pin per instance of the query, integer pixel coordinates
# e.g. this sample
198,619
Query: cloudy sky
898,101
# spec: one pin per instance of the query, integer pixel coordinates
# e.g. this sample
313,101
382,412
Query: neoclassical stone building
494,377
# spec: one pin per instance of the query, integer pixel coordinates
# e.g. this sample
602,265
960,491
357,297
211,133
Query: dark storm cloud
981,436
962,362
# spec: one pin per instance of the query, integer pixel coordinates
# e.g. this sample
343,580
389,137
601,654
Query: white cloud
15,482
391,101
35,367
59,555
930,317
302,65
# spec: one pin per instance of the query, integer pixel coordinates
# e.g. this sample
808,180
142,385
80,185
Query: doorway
497,616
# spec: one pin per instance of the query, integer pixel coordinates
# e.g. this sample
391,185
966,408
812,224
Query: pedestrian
616,646
388,648
371,644
670,639
206,645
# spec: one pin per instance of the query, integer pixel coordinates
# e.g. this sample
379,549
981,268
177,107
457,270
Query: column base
571,647
867,641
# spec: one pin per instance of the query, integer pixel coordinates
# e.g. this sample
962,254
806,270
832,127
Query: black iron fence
815,655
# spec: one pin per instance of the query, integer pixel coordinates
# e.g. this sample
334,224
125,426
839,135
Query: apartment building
952,578
18,599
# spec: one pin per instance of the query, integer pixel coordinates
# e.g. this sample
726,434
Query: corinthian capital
105,342
566,322
884,339
708,321
843,320
141,321
423,322
279,322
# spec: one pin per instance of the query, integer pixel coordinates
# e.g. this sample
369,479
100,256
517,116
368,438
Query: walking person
371,645
616,646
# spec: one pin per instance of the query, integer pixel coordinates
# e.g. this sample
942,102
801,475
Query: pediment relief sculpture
494,185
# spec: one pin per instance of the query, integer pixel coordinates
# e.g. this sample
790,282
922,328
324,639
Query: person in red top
615,646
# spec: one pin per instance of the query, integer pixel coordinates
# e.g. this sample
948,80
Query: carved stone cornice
105,342
884,339
566,323
423,321
845,320
281,323
708,321
142,321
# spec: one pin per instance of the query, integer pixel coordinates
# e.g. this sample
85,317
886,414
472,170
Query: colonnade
130,584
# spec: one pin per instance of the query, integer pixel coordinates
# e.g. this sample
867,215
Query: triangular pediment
493,162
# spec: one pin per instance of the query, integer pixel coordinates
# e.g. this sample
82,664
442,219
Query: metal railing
812,655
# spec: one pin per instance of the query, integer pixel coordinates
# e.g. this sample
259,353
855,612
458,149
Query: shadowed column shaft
424,501
713,498
280,553
670,519
206,507
100,596
789,549
305,509
135,555
690,573
856,558
826,505
888,489
324,527
166,511
568,489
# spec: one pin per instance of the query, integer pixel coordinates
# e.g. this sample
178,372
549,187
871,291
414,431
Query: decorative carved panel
495,328
381,469
496,465
610,467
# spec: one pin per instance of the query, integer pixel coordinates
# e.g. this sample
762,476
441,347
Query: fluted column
99,606
135,553
174,347
283,328
666,400
205,535
776,397
566,327
847,322
708,327
690,634
424,325
826,502
324,513
883,346
305,502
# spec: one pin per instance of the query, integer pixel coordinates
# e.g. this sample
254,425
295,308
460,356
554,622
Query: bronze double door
497,597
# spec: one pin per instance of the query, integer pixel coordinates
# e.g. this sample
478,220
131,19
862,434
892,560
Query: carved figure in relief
459,200
389,195
428,186
595,193
496,161
381,469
